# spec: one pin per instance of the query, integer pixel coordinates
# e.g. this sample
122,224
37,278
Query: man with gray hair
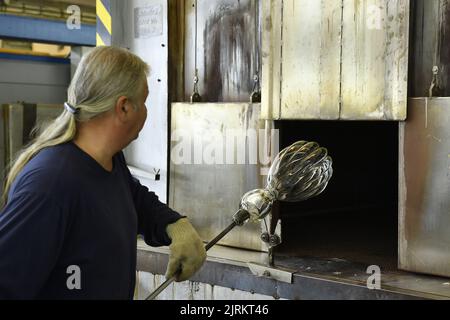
70,203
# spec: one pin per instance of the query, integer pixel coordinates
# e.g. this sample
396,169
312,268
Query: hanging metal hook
255,97
433,81
196,97
256,94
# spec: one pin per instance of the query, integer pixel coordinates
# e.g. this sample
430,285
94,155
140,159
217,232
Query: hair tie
70,108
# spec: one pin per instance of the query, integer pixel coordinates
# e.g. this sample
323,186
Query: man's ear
122,107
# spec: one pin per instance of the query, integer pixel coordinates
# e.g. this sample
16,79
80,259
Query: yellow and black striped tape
104,23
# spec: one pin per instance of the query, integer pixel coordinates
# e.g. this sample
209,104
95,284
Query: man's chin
132,140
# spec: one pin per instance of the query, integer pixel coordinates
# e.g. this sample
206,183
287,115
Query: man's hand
187,251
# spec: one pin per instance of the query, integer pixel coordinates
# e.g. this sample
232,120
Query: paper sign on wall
148,21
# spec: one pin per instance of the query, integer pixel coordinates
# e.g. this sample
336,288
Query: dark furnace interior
356,218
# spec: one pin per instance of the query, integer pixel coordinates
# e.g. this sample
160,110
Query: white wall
141,26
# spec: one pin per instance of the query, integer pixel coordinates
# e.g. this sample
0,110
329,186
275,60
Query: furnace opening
356,218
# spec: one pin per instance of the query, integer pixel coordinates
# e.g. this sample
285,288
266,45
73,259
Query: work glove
187,251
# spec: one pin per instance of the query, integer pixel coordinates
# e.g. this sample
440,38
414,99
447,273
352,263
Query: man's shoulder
52,159
47,169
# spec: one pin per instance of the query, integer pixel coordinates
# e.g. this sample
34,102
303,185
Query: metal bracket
156,176
271,239
279,274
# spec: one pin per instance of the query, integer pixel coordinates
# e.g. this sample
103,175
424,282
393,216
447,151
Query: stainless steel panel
337,59
430,47
424,221
272,19
375,59
310,86
209,192
226,49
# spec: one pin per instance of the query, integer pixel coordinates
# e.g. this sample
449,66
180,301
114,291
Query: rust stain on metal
227,54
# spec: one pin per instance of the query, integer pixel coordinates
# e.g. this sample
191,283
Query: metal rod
257,38
208,246
304,167
160,289
220,236
196,35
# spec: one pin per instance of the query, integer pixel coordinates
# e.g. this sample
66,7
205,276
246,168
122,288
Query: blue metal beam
44,30
26,57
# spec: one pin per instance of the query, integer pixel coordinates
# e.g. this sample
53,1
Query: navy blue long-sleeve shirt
65,210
